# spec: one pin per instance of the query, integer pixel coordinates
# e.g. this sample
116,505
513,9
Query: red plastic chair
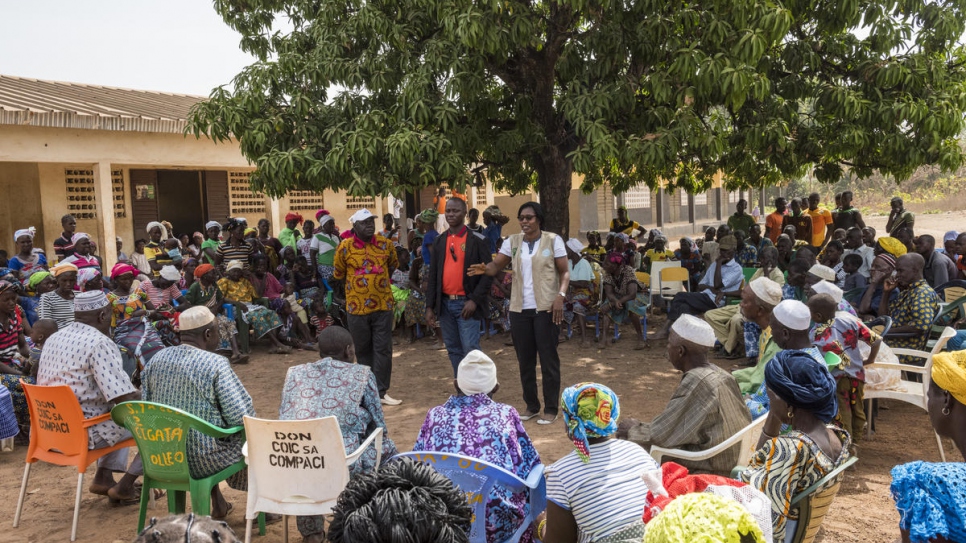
58,435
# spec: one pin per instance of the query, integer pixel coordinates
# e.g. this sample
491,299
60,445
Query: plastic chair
748,273
672,281
297,467
747,437
947,316
58,435
476,478
165,459
656,268
910,391
814,502
951,291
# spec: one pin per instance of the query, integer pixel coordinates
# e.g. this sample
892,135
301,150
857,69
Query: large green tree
376,96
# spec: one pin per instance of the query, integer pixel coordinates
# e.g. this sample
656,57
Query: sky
179,46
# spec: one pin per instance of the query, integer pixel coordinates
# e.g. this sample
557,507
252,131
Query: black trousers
534,333
372,337
690,303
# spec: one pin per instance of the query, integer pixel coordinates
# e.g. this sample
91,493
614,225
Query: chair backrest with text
57,430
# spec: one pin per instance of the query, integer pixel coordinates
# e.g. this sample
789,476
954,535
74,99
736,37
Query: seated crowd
794,307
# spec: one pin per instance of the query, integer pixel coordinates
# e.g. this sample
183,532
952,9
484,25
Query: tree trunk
554,171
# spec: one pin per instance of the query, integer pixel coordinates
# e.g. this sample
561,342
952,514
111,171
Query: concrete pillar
659,207
690,208
719,196
104,196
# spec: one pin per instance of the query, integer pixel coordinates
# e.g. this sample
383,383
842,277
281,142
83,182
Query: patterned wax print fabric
10,337
239,291
605,495
89,362
366,268
348,392
931,499
123,306
203,384
8,421
36,262
915,306
786,465
849,338
747,256
625,276
757,401
478,427
752,334
790,292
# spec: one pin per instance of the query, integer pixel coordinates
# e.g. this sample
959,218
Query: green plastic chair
161,434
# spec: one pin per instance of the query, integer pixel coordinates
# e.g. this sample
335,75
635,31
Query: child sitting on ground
853,279
293,301
320,316
293,331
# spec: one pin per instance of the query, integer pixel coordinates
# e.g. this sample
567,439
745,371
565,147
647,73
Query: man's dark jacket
475,287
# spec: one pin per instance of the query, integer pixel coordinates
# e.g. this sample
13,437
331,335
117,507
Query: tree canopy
377,96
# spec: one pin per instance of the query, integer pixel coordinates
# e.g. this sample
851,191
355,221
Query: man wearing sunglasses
453,296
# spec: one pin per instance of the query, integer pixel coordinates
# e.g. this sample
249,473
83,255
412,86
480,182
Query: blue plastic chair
476,478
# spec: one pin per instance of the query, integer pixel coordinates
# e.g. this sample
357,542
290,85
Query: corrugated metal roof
56,104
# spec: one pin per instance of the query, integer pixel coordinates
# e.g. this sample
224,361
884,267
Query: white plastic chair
297,467
747,437
911,391
476,478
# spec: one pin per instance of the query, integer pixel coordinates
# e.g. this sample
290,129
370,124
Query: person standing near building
899,218
822,222
290,235
741,220
365,261
455,297
63,246
773,222
801,221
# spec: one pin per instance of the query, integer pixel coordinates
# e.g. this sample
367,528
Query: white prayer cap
170,273
476,374
824,287
575,245
824,272
360,215
767,291
695,330
212,224
793,314
91,300
326,218
195,317
235,265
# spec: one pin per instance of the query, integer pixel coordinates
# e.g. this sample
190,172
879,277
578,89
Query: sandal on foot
227,511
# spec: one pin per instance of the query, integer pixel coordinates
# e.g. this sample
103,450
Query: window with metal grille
481,197
359,202
241,198
80,193
638,198
305,200
117,189
701,199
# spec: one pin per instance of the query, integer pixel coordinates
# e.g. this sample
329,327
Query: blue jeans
459,335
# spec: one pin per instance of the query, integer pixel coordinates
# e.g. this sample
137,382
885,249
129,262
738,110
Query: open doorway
186,198
180,200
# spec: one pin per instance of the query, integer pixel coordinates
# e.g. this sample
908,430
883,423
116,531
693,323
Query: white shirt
867,255
526,266
87,361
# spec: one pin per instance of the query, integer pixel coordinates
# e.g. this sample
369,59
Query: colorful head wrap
79,236
294,217
949,372
703,516
7,285
233,223
892,246
320,213
802,382
615,257
429,215
63,268
36,278
589,410
251,231
202,269
86,275
121,268
691,244
29,232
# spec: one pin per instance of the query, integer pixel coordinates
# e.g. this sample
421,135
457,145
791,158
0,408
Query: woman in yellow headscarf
931,497
890,245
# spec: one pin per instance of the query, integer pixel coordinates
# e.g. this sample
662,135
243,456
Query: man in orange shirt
773,222
821,222
458,299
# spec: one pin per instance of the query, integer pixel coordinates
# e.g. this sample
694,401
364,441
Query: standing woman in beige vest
540,281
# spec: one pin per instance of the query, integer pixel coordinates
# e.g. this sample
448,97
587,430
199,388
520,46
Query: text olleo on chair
161,433
58,435
746,438
298,467
910,391
476,478
814,502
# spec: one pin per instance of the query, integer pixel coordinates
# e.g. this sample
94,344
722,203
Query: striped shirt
53,306
160,297
607,493
10,337
231,252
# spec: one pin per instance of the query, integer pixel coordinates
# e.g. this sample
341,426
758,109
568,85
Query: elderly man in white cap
470,423
335,386
705,409
83,356
581,291
365,262
757,312
791,322
195,379
728,323
825,287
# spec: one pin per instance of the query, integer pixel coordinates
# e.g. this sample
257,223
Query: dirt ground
644,380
